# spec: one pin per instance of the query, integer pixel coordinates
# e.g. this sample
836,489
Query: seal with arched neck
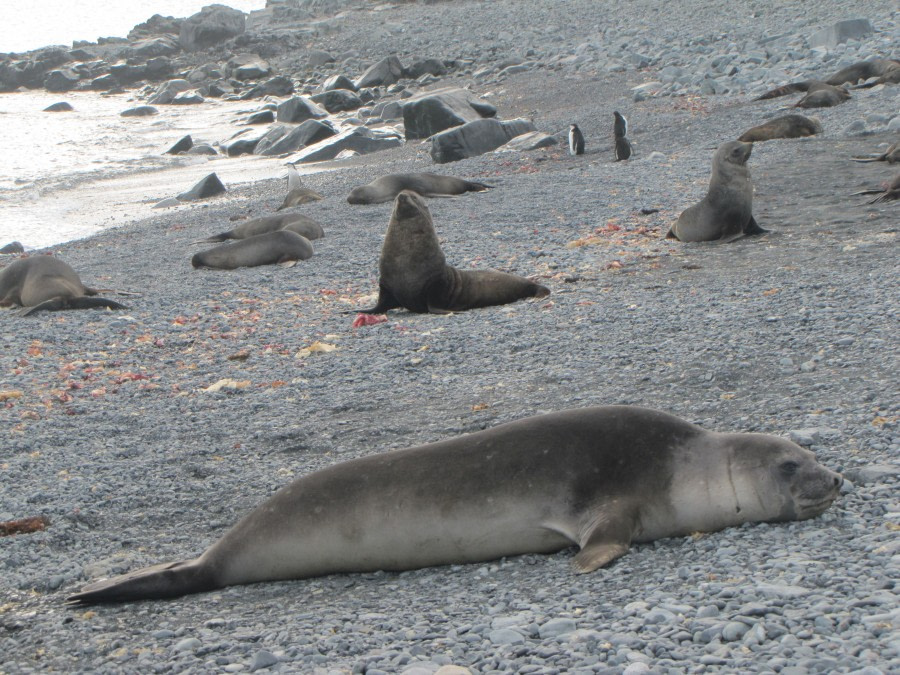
386,188
46,284
786,126
294,222
414,274
599,478
726,212
275,248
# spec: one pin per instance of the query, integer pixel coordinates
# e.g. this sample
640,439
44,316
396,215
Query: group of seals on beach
596,478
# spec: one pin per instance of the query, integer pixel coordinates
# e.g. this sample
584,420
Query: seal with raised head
726,212
295,222
275,248
46,284
891,155
414,274
386,188
598,478
786,126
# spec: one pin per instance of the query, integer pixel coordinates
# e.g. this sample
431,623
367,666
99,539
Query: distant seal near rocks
598,478
726,212
386,188
414,274
44,283
891,155
297,194
295,222
888,70
824,96
274,248
12,247
786,126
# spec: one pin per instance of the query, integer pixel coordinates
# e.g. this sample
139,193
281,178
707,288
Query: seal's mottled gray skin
597,478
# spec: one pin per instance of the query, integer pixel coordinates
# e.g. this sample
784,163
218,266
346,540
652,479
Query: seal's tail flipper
81,302
168,580
478,187
215,239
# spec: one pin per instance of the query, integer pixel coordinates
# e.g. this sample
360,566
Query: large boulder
272,136
275,86
248,67
421,67
155,25
338,82
299,109
338,100
126,73
210,26
841,32
308,133
385,72
531,140
207,187
63,79
361,140
434,111
31,72
475,138
167,91
156,46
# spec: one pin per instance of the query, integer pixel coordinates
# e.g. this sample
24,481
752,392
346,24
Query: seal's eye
789,468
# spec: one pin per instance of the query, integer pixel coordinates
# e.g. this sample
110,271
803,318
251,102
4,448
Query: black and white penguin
576,140
620,130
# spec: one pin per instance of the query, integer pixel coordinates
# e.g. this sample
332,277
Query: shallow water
67,175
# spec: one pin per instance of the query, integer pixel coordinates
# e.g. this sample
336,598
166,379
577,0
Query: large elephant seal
275,248
295,222
786,126
597,478
414,274
386,188
44,283
726,212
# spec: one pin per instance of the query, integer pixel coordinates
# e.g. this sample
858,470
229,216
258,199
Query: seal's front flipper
81,302
386,301
610,538
671,234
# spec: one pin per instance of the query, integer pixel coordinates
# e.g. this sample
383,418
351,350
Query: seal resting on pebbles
386,188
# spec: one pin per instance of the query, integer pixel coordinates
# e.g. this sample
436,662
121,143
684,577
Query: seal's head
358,195
733,152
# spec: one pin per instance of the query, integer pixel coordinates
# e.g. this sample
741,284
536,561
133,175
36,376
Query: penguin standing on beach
576,140
620,130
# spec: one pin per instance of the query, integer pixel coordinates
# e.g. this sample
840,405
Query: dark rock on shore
360,140
140,111
475,138
434,111
183,145
62,106
298,109
210,186
338,100
291,140
212,25
387,71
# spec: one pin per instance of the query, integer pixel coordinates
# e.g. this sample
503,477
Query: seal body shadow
45,283
726,212
598,478
414,274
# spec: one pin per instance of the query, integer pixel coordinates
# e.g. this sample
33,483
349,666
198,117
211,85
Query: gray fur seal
887,70
818,94
891,155
295,222
44,283
726,212
274,248
386,188
786,126
889,193
297,194
414,274
598,478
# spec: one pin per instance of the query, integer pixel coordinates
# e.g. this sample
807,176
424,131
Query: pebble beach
143,435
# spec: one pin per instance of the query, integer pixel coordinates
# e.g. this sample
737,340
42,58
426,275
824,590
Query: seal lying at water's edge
414,274
386,188
597,478
786,126
275,248
726,212
44,283
295,222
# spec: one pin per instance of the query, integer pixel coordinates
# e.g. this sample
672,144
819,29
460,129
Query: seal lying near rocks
889,193
726,212
414,274
386,188
887,70
598,478
818,94
294,222
786,126
891,155
44,283
275,248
